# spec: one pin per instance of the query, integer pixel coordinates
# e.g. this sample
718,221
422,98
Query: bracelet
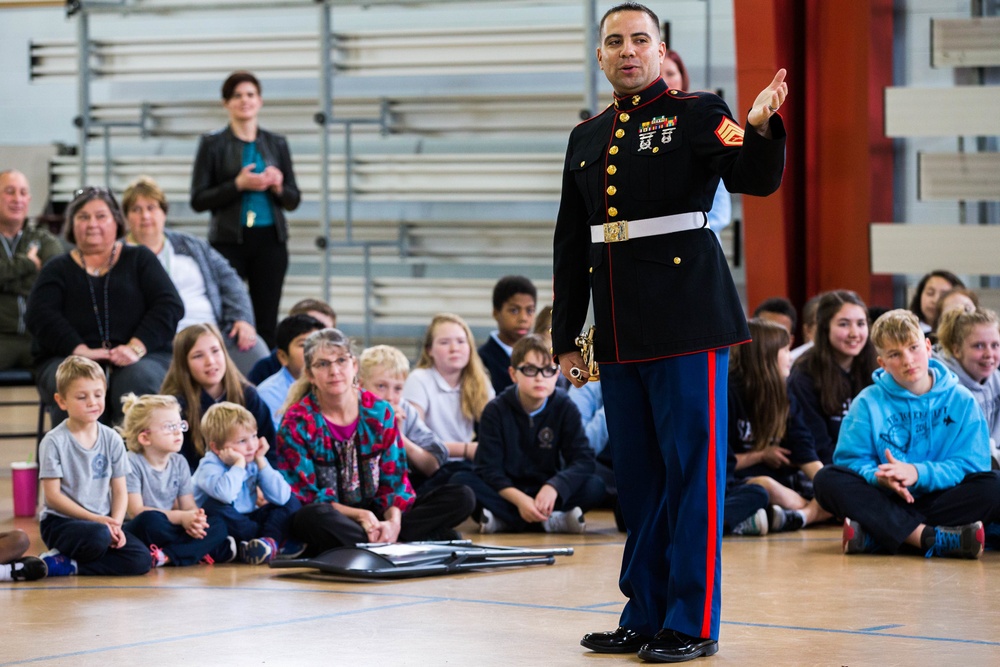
465,452
139,352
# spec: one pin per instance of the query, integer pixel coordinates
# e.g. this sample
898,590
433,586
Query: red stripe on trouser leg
710,546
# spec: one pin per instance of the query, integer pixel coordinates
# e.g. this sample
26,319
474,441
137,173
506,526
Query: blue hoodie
942,433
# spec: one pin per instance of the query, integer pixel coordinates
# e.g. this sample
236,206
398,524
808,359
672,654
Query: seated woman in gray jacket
212,293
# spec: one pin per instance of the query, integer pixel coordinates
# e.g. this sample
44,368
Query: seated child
382,371
82,468
912,463
290,337
160,493
534,467
514,299
227,479
970,348
314,308
14,565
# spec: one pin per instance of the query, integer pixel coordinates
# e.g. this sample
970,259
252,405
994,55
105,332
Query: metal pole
83,89
107,156
326,104
368,293
348,181
590,37
708,44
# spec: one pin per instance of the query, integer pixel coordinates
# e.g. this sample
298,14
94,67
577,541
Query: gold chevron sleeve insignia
729,133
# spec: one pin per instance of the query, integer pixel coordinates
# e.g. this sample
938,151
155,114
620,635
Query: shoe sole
599,648
704,652
255,554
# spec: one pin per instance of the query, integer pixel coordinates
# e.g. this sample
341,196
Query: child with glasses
82,468
534,468
228,478
160,493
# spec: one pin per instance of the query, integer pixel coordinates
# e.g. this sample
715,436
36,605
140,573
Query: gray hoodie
987,395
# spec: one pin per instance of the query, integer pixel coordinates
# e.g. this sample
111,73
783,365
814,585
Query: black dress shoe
621,640
673,646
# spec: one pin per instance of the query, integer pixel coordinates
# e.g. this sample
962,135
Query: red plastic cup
24,478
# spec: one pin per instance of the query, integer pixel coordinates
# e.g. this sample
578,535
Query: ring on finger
773,109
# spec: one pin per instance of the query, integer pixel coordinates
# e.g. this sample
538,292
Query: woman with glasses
243,175
534,467
340,451
202,374
106,301
211,290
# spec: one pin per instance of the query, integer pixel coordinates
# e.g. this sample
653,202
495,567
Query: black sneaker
856,539
28,568
780,520
959,541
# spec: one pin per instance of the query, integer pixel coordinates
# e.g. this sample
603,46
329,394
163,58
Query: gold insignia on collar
635,100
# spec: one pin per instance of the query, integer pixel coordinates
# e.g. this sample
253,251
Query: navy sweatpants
667,426
154,527
89,544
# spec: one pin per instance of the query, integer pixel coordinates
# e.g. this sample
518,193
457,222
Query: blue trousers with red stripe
667,426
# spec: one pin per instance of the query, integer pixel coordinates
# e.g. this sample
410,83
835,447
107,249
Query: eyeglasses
171,427
323,365
532,371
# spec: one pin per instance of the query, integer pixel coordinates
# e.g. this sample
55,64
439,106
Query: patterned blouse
370,469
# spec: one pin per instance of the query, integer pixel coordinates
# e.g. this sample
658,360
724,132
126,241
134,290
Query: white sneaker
570,521
490,524
755,524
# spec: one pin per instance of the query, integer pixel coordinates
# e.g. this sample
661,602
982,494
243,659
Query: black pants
742,501
262,261
323,528
890,520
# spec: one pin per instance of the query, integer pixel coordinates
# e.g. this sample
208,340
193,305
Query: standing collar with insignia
655,89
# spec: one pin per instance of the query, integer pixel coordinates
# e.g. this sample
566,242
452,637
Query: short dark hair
235,79
508,286
292,327
529,343
87,194
779,305
630,7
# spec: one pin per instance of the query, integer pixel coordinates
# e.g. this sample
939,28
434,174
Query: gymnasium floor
790,599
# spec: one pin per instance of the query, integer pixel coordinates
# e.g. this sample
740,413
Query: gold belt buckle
615,231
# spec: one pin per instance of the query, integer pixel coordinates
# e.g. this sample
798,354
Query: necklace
103,329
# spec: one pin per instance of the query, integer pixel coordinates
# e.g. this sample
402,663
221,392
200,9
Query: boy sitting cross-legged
227,479
534,467
912,462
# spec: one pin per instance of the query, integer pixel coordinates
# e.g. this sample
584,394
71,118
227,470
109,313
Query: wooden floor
789,599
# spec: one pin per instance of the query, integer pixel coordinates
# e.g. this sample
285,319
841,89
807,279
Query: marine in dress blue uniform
666,310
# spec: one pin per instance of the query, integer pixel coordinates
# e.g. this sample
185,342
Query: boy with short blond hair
82,469
382,370
227,479
911,468
534,467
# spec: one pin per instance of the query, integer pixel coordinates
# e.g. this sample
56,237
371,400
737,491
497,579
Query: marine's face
630,52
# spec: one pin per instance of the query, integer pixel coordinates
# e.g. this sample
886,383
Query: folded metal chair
419,559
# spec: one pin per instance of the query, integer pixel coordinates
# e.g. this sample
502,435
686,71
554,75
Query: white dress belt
612,232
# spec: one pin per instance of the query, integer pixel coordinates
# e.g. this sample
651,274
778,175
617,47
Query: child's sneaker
158,556
490,524
958,541
57,564
780,520
570,521
856,539
28,568
259,551
225,553
291,549
755,524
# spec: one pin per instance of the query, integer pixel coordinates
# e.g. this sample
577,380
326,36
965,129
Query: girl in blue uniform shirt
768,437
827,377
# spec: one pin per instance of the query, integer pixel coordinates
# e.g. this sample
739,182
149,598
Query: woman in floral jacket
340,451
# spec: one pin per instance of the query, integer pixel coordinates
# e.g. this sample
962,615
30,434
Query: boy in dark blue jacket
534,468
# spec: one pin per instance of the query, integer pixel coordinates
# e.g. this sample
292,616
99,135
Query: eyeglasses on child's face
170,427
531,370
324,365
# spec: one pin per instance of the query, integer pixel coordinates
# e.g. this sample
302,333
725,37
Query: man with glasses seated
534,469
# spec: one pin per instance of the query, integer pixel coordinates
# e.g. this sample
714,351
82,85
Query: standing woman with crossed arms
243,175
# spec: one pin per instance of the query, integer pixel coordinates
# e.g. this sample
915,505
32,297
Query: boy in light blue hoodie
912,462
